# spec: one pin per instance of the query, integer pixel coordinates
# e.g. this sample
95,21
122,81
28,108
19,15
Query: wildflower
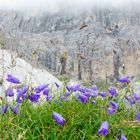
114,104
10,92
58,118
113,91
87,94
82,90
124,79
15,109
138,116
136,96
123,137
104,129
120,136
23,90
19,98
94,93
128,98
111,110
75,87
34,98
103,94
67,94
22,94
83,99
94,87
12,79
49,98
40,88
46,91
87,90
4,109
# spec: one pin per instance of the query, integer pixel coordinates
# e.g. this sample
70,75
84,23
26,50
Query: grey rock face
93,46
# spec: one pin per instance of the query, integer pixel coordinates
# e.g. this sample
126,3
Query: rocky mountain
93,45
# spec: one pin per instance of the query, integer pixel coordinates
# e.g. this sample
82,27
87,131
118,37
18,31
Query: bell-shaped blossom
129,99
113,91
49,98
124,79
104,129
12,79
82,90
138,116
87,94
123,137
103,94
15,109
58,118
114,104
4,109
67,94
111,110
19,98
46,91
34,98
23,89
94,87
136,96
75,87
10,92
94,93
40,88
83,99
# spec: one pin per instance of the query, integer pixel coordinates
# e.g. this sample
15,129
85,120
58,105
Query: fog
53,6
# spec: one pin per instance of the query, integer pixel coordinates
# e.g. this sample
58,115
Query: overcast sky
56,5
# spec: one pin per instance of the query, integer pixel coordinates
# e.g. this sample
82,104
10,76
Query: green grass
82,122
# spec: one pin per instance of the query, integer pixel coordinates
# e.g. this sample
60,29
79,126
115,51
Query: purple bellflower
111,110
83,99
15,109
34,98
103,94
46,91
4,109
104,129
123,137
40,88
129,99
58,118
114,104
124,79
10,92
113,91
136,96
12,79
94,87
138,116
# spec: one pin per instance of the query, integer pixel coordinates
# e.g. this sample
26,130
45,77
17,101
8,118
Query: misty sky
56,5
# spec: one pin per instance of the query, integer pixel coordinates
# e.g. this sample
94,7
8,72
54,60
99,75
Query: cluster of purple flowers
21,93
82,94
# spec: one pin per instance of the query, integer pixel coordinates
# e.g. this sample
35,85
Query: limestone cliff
87,46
